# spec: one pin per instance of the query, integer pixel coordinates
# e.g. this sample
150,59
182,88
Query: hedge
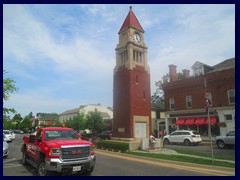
111,145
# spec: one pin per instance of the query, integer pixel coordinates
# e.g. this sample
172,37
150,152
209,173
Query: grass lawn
188,159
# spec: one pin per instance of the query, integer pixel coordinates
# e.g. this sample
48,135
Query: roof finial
130,8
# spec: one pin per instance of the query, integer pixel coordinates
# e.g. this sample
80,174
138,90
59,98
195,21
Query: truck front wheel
41,168
24,157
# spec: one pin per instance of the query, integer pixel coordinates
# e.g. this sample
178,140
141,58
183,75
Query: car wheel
41,168
24,157
186,142
220,144
166,141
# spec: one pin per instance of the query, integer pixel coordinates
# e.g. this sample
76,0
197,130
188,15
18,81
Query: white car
5,148
187,137
8,135
13,134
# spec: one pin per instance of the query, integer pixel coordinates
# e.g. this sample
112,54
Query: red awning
189,121
212,120
200,121
180,121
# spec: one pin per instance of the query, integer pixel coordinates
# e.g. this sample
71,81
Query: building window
231,96
172,104
144,95
228,117
189,101
210,99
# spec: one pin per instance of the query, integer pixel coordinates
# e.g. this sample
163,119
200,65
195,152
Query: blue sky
63,56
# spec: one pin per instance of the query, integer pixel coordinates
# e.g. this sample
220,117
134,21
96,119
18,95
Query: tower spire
131,20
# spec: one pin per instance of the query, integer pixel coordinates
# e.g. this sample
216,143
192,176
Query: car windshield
6,132
61,134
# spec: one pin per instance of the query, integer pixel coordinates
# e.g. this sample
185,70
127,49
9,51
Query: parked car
187,137
18,131
105,135
6,138
226,141
8,135
90,137
5,148
13,134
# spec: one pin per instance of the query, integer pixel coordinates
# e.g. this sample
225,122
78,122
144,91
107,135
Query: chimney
185,73
172,72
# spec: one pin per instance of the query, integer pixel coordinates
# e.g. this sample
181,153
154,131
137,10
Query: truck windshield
61,134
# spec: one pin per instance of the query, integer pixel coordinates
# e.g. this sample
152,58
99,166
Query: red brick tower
131,91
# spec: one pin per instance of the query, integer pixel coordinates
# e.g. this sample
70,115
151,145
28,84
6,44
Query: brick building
185,99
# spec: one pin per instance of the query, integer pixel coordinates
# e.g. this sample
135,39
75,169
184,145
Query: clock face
136,38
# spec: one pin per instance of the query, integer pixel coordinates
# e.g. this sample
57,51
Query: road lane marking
9,160
185,168
11,165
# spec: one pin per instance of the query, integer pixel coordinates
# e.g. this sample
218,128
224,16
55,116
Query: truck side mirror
32,138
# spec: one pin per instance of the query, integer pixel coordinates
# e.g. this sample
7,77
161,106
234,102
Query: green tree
17,117
56,122
9,87
158,95
95,121
26,123
77,122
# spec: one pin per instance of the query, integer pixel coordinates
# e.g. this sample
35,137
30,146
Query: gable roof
131,20
227,64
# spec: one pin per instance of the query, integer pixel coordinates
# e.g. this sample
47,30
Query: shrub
116,146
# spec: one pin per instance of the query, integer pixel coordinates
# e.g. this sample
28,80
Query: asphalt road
112,164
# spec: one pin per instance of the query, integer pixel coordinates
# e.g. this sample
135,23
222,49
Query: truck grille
75,152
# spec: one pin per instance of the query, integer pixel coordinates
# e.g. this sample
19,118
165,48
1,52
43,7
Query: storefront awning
212,120
189,121
200,121
180,121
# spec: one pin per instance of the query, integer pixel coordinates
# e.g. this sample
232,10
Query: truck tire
24,157
41,168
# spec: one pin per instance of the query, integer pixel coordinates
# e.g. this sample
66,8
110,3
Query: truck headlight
54,151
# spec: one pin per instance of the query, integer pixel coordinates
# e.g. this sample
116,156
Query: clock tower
131,91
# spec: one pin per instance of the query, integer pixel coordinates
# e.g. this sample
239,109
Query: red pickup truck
58,149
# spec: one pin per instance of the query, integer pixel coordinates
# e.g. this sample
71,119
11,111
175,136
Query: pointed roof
131,20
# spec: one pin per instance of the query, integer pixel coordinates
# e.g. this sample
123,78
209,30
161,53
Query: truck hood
72,142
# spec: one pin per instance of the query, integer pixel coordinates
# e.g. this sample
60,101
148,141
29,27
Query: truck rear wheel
41,168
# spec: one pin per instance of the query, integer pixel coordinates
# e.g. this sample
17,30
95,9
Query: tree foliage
9,87
158,95
95,121
78,122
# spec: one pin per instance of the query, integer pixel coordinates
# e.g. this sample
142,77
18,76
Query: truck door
35,146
